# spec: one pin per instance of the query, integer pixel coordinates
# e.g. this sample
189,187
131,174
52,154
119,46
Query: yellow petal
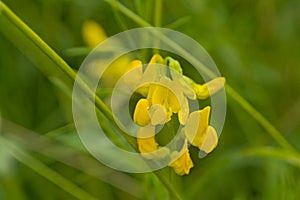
206,90
113,72
92,33
147,145
158,94
172,101
134,73
143,90
184,163
175,65
187,89
141,114
183,113
210,141
146,141
156,58
133,64
158,114
171,94
196,126
150,73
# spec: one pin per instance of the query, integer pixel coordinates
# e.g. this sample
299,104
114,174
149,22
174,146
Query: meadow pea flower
204,91
206,138
184,163
163,100
165,94
148,146
160,95
92,33
137,75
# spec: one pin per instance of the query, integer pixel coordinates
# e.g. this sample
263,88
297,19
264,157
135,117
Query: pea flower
168,93
206,138
164,97
92,35
184,163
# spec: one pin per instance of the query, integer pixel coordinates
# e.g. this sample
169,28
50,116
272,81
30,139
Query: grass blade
45,171
71,156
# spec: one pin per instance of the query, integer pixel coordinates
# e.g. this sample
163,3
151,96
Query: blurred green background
256,46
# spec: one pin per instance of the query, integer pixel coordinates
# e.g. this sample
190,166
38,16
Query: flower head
167,93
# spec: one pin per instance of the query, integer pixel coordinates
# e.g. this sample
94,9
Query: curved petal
183,113
158,114
141,113
206,90
184,163
146,141
210,141
196,126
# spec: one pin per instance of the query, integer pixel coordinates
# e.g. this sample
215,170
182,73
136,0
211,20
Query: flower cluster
167,93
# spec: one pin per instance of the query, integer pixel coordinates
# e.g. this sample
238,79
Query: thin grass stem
41,169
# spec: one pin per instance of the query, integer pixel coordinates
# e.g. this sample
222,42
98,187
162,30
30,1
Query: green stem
173,192
52,55
275,153
157,21
46,172
157,13
270,129
119,18
128,13
138,7
260,118
177,23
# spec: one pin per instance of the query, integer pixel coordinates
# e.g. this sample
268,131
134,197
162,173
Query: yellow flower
206,90
160,95
146,140
147,144
92,33
114,71
170,95
141,114
166,92
199,133
184,163
164,96
144,114
137,76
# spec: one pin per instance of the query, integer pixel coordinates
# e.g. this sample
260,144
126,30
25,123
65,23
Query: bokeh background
256,46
